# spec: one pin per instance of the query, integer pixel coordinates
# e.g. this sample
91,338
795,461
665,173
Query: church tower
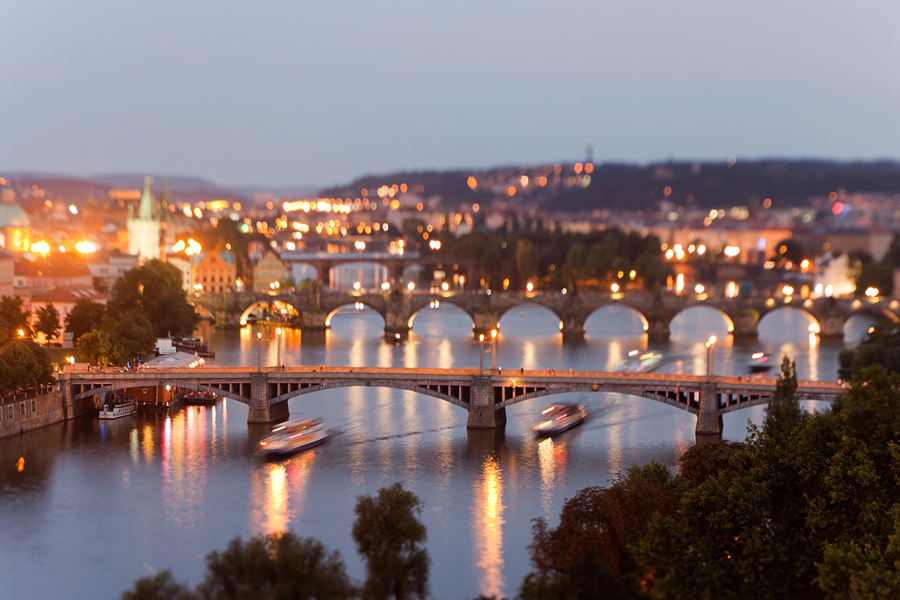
144,229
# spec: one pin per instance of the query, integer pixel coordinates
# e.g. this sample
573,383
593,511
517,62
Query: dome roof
12,215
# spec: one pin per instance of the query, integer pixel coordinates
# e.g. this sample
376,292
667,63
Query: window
9,412
22,408
33,405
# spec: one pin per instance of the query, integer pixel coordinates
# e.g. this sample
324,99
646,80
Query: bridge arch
531,305
728,318
434,393
360,301
597,313
181,385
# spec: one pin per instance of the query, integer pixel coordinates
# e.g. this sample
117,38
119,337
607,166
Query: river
98,505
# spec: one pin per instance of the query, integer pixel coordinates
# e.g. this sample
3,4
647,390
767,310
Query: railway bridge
484,394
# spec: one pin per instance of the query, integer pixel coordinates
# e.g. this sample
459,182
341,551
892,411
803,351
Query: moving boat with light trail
295,435
638,362
557,418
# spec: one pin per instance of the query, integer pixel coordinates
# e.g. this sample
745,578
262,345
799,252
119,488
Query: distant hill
642,187
176,183
611,186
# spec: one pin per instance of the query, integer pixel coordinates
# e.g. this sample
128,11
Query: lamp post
493,349
481,354
710,357
278,346
259,351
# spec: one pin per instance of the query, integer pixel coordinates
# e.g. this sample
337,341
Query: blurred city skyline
287,94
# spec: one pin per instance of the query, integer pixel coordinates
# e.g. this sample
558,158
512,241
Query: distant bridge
484,394
399,308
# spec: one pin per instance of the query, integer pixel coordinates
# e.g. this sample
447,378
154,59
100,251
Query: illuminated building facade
268,271
213,272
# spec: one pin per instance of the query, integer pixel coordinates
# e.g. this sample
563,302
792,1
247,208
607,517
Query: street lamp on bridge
259,351
277,346
710,357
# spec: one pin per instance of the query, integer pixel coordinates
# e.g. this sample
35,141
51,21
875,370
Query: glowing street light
711,356
259,351
493,348
277,346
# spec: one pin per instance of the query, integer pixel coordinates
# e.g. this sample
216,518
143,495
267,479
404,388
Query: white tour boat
118,409
557,418
294,435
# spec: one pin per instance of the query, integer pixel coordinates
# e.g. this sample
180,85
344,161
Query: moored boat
294,436
557,418
118,409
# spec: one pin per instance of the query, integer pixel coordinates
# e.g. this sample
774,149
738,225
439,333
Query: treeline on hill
807,507
643,187
554,259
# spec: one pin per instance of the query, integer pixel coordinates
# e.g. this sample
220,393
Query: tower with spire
144,228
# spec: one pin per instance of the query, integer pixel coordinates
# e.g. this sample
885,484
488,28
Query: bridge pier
709,420
260,411
658,328
313,319
482,414
572,326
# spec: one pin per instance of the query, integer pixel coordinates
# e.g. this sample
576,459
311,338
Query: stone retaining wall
31,410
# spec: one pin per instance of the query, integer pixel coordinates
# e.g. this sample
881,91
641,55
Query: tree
156,287
27,365
390,538
98,349
161,586
880,346
13,318
707,459
276,566
783,413
84,317
131,333
47,321
587,555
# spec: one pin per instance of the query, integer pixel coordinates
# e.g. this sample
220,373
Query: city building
107,267
267,272
33,277
7,272
213,271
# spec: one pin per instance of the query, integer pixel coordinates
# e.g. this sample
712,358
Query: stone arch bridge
485,395
399,308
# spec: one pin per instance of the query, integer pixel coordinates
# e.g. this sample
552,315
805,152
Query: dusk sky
283,92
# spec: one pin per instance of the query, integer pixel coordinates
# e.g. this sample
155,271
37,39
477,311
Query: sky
291,92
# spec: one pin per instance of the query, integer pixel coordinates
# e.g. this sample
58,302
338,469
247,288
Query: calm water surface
100,504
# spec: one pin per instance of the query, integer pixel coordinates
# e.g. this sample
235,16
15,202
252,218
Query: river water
98,505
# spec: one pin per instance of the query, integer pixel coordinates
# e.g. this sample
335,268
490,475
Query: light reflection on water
162,491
